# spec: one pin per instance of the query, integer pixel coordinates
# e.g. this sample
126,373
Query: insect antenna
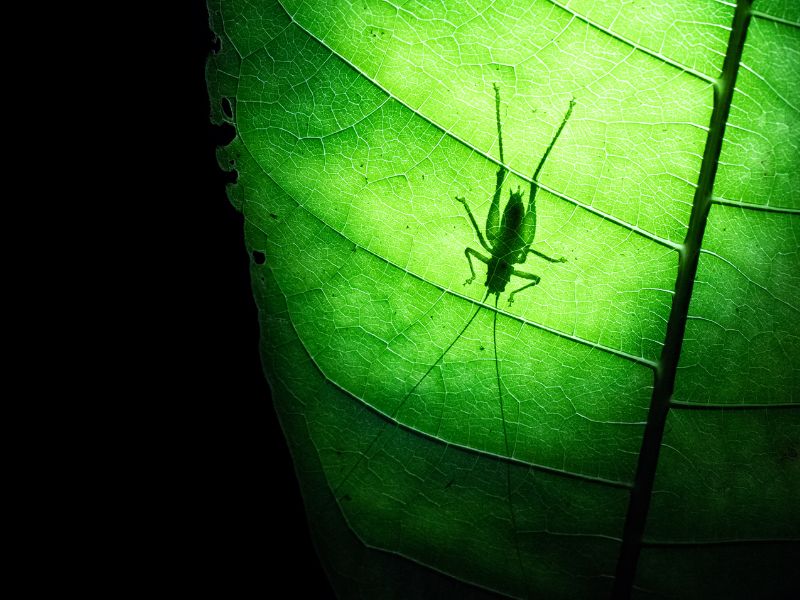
505,438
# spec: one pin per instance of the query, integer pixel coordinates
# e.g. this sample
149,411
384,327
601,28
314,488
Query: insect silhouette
509,243
509,239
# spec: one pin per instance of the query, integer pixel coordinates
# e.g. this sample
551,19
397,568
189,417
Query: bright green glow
359,122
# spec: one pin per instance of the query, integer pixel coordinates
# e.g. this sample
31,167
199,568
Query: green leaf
631,424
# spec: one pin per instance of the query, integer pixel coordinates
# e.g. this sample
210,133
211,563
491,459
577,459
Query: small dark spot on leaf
346,497
258,257
227,109
449,483
216,45
406,226
354,248
483,347
274,216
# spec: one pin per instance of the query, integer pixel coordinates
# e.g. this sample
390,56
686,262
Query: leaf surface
498,459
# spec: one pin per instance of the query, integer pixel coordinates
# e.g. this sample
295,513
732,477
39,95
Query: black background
245,522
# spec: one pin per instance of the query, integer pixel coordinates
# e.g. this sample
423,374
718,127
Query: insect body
509,239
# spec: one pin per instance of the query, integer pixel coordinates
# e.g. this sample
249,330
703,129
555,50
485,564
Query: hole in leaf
231,176
258,257
227,109
224,134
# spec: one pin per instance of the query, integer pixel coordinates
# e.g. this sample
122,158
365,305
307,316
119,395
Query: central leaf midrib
663,389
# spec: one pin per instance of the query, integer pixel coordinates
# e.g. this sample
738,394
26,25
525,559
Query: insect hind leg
493,218
469,253
535,279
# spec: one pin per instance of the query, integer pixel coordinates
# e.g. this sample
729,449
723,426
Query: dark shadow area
241,514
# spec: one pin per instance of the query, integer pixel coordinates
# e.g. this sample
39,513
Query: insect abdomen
511,242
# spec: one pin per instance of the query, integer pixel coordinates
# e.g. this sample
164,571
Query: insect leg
552,143
474,224
522,274
528,230
469,253
547,258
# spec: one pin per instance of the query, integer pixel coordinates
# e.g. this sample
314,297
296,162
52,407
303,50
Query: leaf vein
632,44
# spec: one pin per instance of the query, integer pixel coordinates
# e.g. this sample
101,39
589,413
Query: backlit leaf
498,460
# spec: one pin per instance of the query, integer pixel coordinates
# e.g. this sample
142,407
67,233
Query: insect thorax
498,274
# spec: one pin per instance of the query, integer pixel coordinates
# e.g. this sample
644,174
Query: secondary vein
632,44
